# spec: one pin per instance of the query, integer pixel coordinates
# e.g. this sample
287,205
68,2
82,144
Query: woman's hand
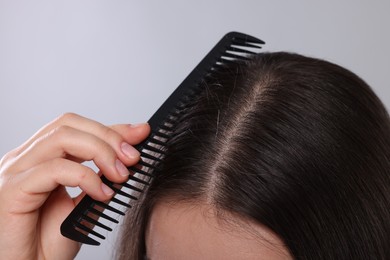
33,199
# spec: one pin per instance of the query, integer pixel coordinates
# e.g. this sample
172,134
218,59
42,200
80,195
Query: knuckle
112,139
79,175
60,132
109,134
67,117
4,178
59,135
109,153
8,157
84,174
8,163
56,165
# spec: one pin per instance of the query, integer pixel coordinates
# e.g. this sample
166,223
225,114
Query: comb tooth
189,92
194,92
143,163
106,181
163,135
158,142
246,44
246,41
170,121
235,56
140,171
181,106
176,113
90,231
184,104
101,214
127,185
120,202
195,95
131,177
248,38
95,222
69,230
82,238
226,61
104,205
148,156
236,49
166,128
173,118
217,67
120,192
154,149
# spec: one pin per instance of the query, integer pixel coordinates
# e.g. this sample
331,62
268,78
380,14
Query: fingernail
137,125
129,151
107,190
121,168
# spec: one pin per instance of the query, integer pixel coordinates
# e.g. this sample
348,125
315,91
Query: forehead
183,231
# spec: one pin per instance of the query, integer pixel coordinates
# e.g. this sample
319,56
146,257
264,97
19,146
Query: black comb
87,216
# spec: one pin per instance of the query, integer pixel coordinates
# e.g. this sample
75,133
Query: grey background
116,61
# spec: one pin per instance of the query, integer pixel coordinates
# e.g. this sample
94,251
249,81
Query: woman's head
288,149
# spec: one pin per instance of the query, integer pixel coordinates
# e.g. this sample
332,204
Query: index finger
120,137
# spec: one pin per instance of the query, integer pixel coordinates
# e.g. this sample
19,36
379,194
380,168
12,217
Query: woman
284,157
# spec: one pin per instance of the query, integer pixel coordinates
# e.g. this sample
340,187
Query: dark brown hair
298,144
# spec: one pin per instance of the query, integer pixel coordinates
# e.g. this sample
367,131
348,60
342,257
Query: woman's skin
33,199
191,231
